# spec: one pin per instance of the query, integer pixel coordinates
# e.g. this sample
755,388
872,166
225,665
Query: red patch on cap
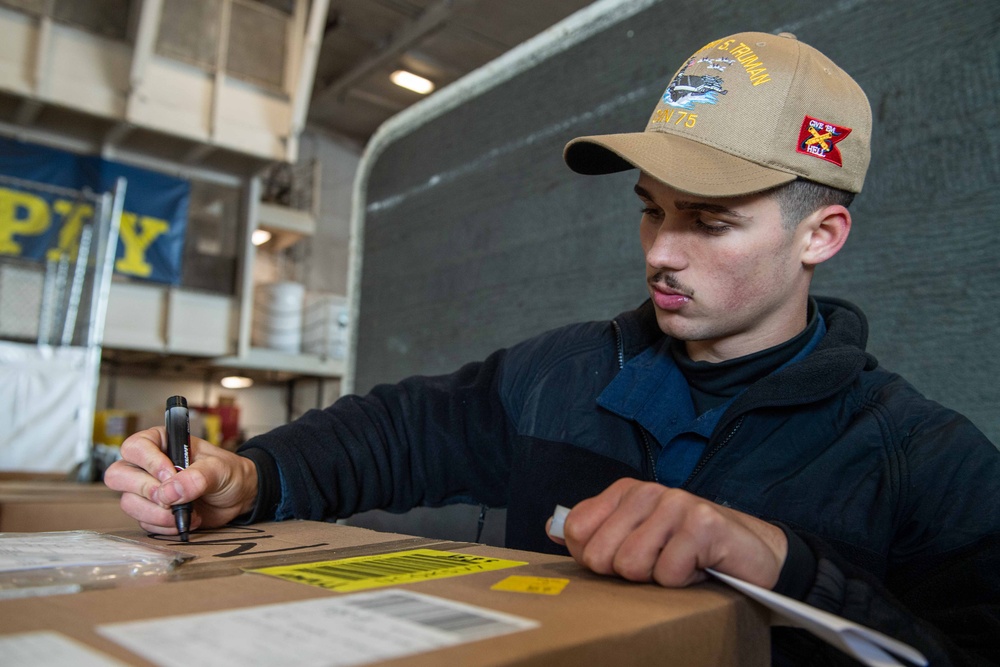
819,139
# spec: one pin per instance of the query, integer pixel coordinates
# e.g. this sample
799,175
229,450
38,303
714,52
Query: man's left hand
644,531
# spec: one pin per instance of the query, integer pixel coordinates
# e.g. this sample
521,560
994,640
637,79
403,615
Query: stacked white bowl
277,316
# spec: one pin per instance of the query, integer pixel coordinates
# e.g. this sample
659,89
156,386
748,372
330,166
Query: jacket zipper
704,459
620,343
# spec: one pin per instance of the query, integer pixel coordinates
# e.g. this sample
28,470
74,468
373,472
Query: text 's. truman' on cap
744,114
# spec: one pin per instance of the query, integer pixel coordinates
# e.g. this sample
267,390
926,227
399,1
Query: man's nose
667,250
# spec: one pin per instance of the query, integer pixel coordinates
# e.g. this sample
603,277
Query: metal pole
76,289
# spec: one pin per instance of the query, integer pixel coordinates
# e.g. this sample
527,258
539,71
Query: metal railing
62,299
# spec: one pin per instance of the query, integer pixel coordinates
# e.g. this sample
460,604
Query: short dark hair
801,197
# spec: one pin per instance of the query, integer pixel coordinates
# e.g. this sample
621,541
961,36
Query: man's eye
714,227
649,210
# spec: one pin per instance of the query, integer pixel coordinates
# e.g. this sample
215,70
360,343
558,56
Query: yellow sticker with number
536,585
401,567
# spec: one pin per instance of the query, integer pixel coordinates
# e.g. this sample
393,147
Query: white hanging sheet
46,407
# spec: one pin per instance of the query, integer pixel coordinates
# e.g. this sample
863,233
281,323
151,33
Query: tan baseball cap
745,113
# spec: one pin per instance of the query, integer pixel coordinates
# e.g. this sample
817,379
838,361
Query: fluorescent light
411,81
236,382
260,236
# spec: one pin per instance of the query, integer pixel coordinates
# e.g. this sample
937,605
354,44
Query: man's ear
826,230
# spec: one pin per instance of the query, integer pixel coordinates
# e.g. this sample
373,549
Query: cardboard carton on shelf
40,505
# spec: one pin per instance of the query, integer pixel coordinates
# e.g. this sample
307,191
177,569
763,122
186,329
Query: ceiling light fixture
260,236
236,382
411,81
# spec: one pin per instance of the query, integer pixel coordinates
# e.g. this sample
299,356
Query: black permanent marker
179,450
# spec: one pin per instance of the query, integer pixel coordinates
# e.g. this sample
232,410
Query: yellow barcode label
536,585
401,567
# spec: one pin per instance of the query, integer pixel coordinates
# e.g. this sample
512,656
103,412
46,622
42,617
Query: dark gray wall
478,236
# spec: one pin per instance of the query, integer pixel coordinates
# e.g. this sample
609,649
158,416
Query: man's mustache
668,280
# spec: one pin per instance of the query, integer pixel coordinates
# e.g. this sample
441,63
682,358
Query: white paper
50,649
870,647
558,522
334,631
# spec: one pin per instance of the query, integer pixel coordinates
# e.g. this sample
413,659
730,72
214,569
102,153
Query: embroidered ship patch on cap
819,139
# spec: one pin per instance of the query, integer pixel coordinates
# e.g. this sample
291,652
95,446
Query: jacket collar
834,363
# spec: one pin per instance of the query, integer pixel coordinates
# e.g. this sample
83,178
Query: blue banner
36,225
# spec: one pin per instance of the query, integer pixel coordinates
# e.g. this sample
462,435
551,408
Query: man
731,422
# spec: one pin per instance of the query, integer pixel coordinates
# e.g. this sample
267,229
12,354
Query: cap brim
688,166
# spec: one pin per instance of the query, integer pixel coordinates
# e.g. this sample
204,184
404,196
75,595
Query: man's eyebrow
707,207
718,209
641,191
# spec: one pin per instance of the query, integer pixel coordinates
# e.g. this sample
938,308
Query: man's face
724,274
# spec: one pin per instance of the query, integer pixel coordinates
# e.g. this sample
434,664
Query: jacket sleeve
424,441
950,616
940,592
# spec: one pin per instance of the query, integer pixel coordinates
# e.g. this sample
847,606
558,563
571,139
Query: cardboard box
230,550
592,620
30,506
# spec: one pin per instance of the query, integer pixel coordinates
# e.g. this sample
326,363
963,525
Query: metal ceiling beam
391,106
307,63
432,19
421,59
468,33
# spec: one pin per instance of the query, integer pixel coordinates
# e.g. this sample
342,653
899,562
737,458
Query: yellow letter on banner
34,218
136,242
69,234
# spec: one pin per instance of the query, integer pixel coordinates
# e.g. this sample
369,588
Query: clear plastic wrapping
69,561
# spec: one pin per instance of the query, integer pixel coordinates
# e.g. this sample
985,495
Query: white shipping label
345,630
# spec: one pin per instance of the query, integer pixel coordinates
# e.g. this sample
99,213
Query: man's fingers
156,514
145,450
678,565
588,515
220,484
691,548
148,513
625,514
157,529
186,486
169,493
554,536
639,551
128,478
644,531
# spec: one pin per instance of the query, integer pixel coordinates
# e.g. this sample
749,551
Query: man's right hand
222,485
